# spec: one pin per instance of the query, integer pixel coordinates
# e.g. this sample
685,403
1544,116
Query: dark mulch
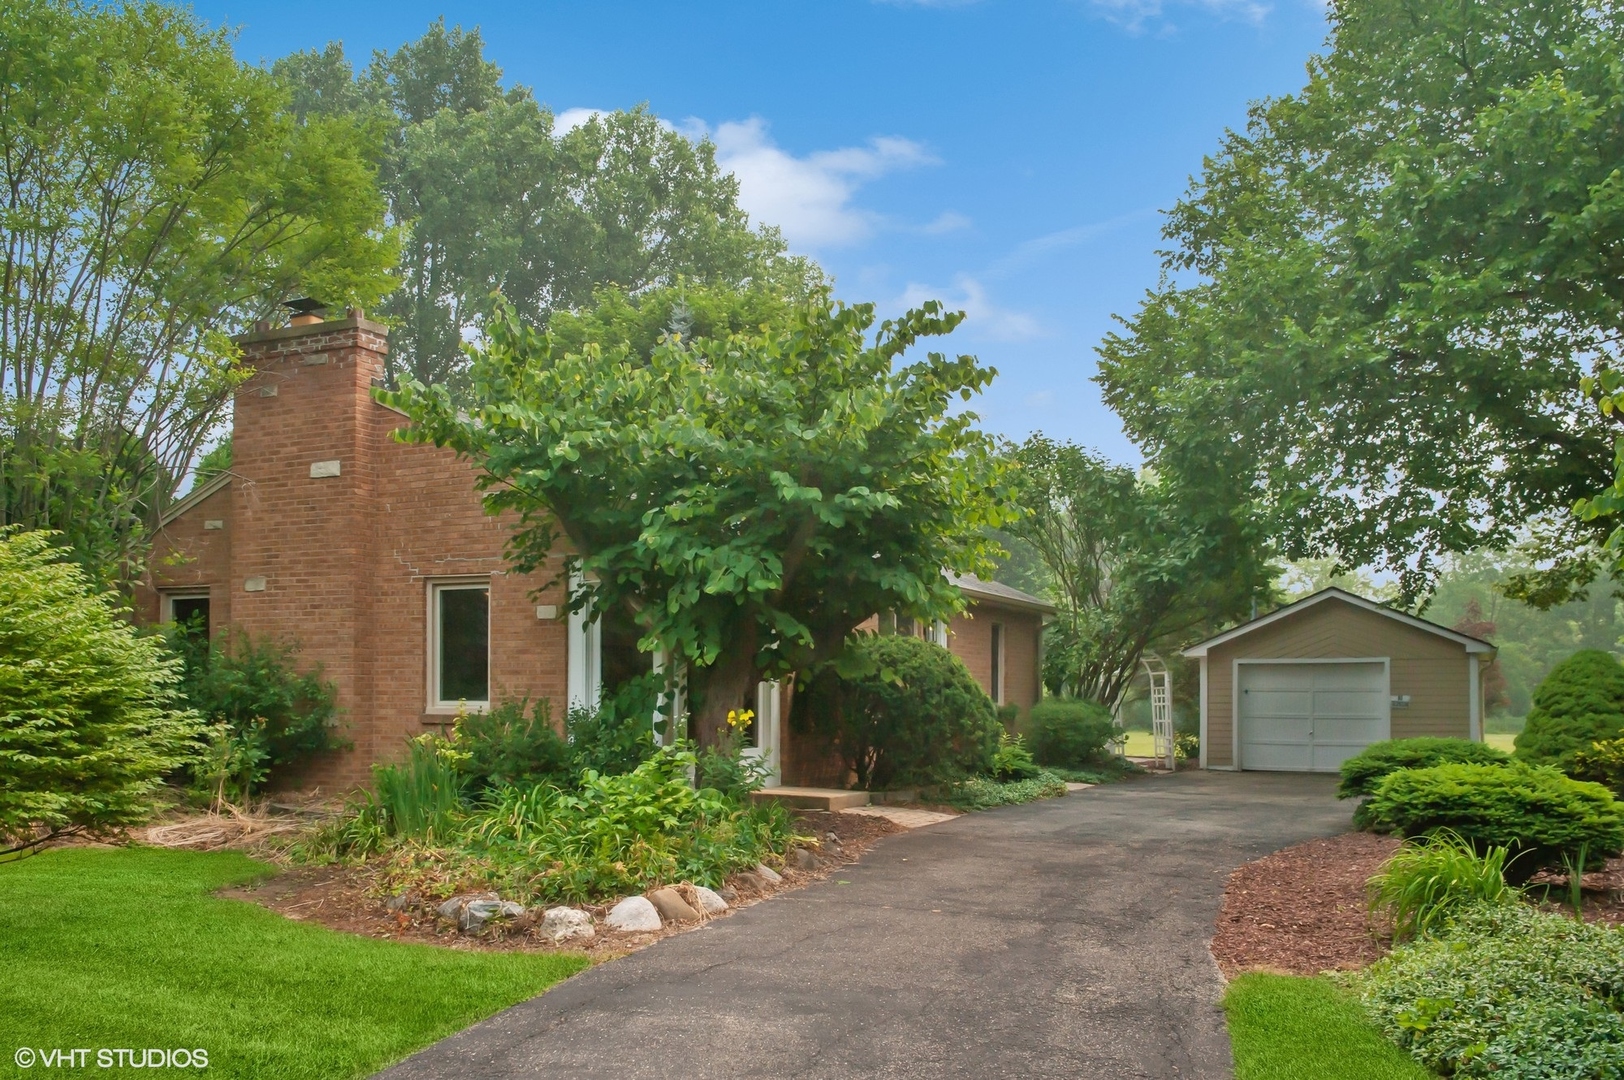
1302,909
1602,892
350,899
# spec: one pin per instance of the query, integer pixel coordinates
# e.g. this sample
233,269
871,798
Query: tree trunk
727,684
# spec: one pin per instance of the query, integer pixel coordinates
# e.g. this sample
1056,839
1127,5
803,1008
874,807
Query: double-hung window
460,644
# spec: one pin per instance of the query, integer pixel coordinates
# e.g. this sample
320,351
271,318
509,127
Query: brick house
378,560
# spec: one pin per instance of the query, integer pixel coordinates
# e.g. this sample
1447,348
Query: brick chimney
303,464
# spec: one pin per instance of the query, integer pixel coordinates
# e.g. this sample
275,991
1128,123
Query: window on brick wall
460,645
997,687
189,611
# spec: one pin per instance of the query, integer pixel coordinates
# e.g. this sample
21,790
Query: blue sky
1008,158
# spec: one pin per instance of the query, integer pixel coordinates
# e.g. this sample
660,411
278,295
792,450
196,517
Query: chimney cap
305,305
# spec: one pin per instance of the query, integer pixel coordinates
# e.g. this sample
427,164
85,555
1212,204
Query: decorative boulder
772,876
564,923
710,901
672,907
632,915
471,912
803,859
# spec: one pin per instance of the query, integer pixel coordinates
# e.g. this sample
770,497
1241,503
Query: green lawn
1141,744
126,948
1506,741
1285,1027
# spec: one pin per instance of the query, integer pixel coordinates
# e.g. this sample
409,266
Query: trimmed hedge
1362,772
1536,813
1069,733
1580,702
918,718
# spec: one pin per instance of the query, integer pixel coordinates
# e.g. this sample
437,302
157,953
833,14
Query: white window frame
171,595
438,706
584,678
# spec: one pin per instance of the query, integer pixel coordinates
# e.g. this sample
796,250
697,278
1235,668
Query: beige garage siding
1433,670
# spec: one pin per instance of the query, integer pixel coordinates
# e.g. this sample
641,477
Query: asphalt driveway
1065,938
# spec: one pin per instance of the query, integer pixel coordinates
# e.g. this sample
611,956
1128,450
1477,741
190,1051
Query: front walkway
1065,938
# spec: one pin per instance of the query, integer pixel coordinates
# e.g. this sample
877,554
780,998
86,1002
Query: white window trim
436,705
169,596
766,748
585,682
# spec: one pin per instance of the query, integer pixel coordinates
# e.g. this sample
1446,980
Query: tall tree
1385,293
493,199
155,195
745,478
1135,561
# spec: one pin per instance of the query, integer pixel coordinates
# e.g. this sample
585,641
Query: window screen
997,688
463,633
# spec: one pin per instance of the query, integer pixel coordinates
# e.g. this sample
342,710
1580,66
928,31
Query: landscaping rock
710,901
803,859
400,902
748,879
767,873
729,893
566,923
470,913
633,914
672,907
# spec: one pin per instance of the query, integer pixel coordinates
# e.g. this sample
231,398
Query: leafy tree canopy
493,198
747,484
1383,294
1135,562
155,195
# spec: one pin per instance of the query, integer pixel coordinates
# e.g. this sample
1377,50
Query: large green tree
743,477
155,195
1383,295
1134,560
492,198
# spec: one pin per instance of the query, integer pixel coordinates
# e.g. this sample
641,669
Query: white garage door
1310,717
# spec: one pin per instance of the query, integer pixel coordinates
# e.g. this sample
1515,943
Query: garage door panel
1310,717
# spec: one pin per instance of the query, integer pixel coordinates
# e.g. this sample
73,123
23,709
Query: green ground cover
126,948
1286,1027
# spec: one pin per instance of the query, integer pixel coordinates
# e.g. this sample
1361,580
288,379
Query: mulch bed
1302,909
349,899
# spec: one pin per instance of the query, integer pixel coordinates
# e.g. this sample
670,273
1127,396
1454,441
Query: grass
1501,740
1141,744
1286,1027
126,948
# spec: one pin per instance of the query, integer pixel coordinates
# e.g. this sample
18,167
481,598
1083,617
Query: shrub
1428,880
618,735
1536,813
268,718
1069,733
1012,760
1362,772
1601,762
980,793
1580,702
619,834
726,767
91,718
917,717
1187,746
1506,992
505,746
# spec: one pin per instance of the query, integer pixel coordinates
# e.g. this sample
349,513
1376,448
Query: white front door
766,732
1310,717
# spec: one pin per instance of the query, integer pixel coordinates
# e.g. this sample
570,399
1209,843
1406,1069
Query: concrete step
813,798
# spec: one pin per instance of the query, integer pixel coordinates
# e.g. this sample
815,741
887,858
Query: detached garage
1305,688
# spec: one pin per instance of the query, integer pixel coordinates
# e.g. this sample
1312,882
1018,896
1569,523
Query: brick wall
969,637
341,563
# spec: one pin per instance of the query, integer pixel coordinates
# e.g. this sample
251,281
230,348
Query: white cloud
946,222
1040,400
982,316
1030,251
809,198
570,119
1132,15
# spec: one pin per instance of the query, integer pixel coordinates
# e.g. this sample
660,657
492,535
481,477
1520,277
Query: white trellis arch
1161,709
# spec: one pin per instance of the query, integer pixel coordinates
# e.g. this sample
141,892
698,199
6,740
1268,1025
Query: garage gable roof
1472,644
